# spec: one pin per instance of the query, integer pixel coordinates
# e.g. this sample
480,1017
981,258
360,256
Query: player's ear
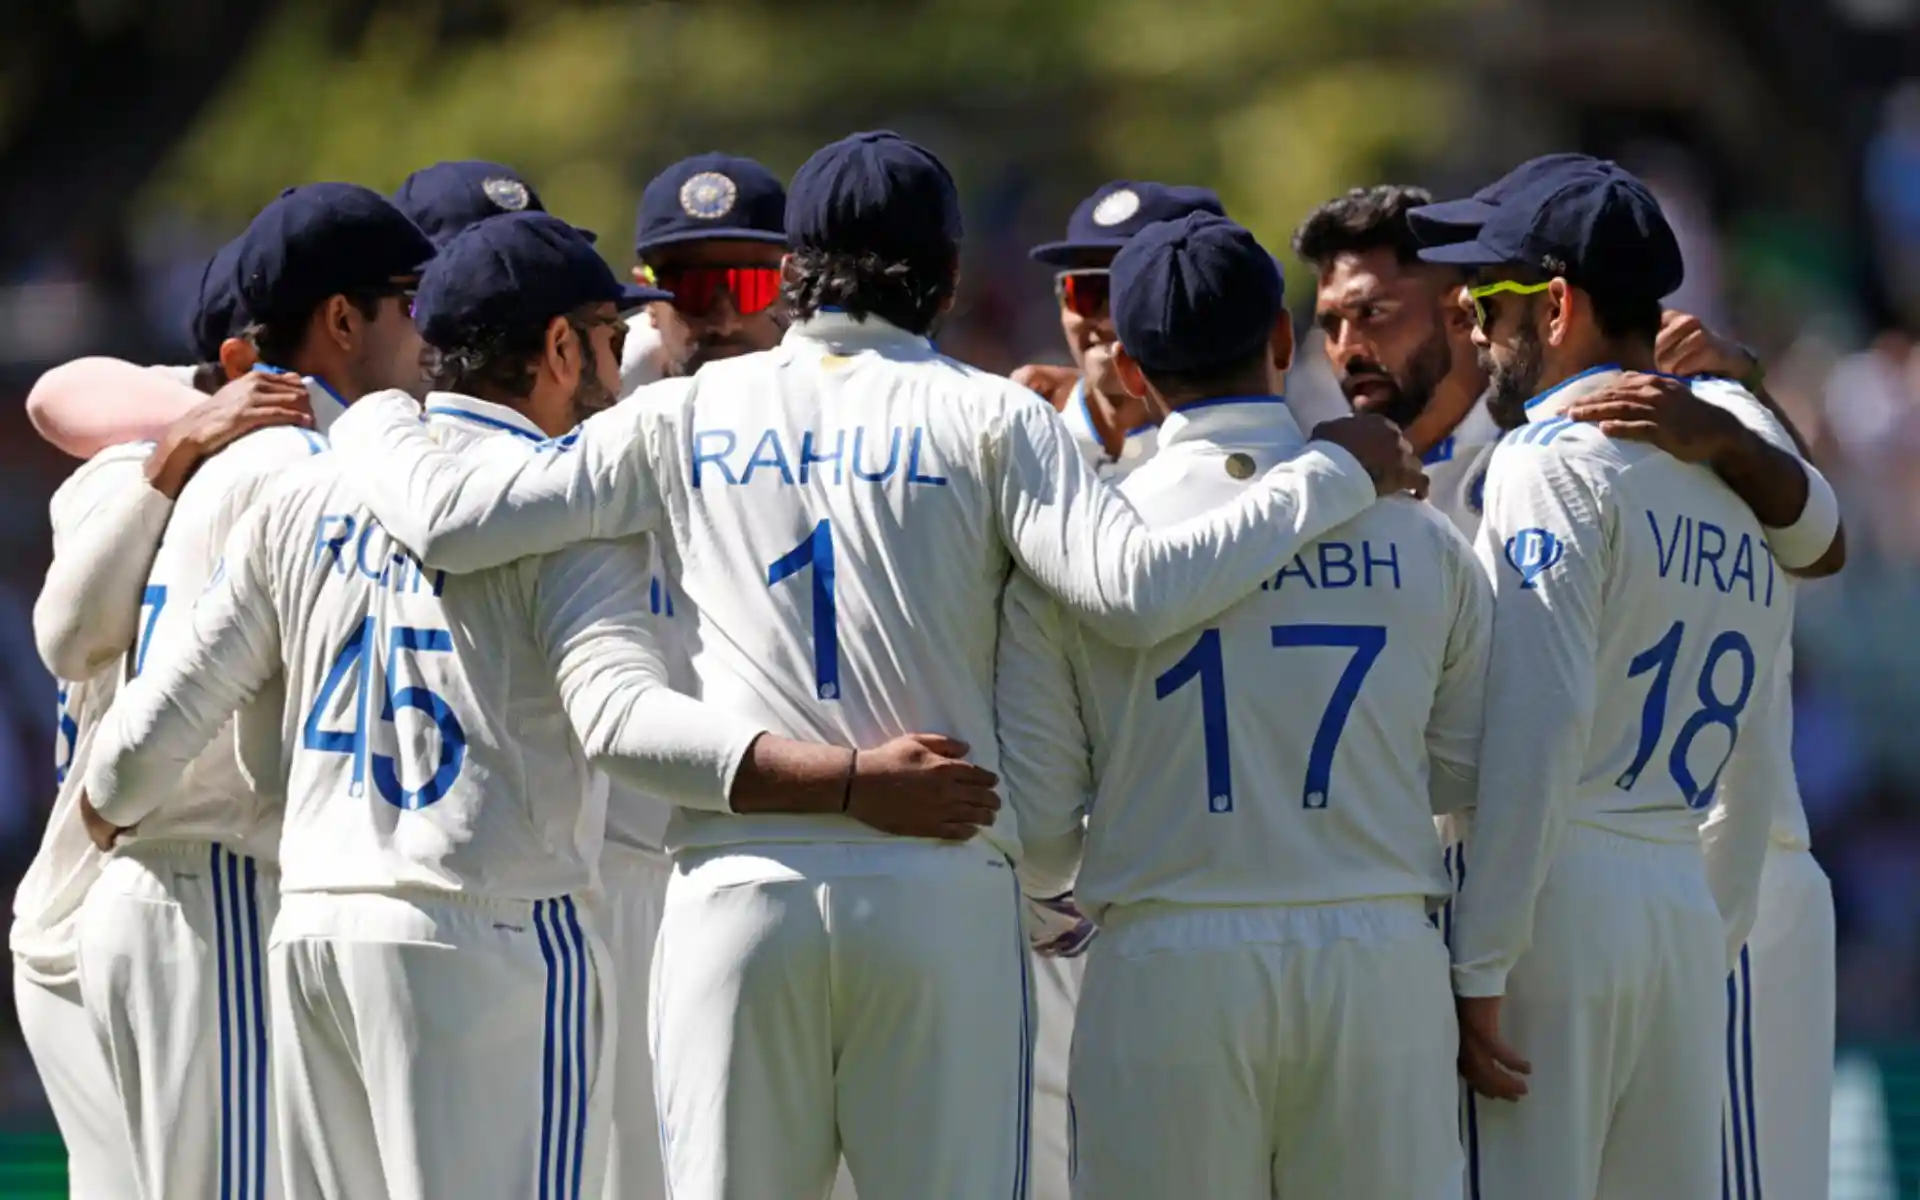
1281,344
1562,302
1456,313
563,356
237,357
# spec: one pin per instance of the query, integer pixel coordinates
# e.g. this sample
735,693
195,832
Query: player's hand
1685,346
103,832
1490,1066
1051,383
1663,411
1056,928
255,400
1381,448
920,785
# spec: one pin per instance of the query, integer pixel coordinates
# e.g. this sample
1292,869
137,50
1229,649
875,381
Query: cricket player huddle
528,734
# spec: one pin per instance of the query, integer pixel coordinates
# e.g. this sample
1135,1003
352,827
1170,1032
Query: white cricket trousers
1299,1052
440,1047
867,999
634,887
1621,1006
1777,1132
78,1079
1056,994
171,940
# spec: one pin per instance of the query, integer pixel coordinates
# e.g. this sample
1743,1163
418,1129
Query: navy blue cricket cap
445,198
217,314
1195,294
513,271
320,240
1584,218
1118,210
710,197
874,193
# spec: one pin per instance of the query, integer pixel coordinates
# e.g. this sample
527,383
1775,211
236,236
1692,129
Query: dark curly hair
1371,218
907,292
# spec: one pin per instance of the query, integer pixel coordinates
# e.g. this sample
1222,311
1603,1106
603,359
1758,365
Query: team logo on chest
1534,552
1117,207
509,194
708,195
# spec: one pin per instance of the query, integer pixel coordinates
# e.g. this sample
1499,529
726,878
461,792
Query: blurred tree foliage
1277,103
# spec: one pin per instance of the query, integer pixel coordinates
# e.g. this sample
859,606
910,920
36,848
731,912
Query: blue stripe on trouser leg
1730,1117
221,924
240,1131
547,1053
569,981
256,942
1024,1108
579,1041
1746,1067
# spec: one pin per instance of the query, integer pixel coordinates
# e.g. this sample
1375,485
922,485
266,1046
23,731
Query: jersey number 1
403,641
816,551
1206,663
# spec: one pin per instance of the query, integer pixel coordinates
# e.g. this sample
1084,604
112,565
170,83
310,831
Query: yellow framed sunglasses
1482,315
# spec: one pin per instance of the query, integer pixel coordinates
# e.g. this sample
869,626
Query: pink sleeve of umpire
84,406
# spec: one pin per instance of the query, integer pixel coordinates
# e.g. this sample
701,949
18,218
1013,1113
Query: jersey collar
482,414
1548,404
839,331
1223,417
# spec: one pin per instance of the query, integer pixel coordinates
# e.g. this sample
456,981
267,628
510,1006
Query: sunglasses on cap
1483,312
696,289
1084,293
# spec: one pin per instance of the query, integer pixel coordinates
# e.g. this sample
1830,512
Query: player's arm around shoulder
1045,751
107,522
470,512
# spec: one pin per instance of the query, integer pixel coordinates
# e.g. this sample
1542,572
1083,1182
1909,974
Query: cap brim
1454,214
720,234
1066,254
1464,254
632,296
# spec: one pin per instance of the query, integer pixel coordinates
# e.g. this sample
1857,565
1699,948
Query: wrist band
1802,543
846,793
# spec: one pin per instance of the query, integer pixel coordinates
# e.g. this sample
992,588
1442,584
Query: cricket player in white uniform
1638,618
818,989
1267,1010
433,974
171,935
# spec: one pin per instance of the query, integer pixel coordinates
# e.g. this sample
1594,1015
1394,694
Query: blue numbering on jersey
865,455
1534,552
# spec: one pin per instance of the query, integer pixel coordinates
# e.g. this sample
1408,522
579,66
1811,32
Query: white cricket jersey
1135,450
1457,468
1292,751
106,523
1638,618
213,798
438,732
842,512
636,820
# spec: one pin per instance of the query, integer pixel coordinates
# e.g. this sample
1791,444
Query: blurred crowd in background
1782,136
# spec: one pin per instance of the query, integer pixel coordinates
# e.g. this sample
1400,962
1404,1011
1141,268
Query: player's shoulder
1414,523
1742,403
255,456
1558,446
116,467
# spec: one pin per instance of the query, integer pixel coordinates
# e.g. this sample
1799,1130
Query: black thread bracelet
846,793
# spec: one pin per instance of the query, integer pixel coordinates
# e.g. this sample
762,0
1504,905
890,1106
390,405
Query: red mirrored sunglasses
697,289
1084,293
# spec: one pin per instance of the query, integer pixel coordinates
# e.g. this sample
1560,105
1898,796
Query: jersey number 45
355,659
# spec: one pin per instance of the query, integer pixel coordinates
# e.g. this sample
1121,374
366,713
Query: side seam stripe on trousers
564,1084
243,1026
1739,1131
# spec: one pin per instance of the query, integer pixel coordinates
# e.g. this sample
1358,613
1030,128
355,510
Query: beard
1512,383
589,397
1407,393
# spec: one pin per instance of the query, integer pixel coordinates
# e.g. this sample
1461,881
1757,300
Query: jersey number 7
1205,663
354,658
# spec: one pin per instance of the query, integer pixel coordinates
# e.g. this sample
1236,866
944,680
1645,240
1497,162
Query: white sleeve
1082,541
1735,836
1541,693
1458,720
165,717
468,512
613,682
107,522
1046,768
1807,540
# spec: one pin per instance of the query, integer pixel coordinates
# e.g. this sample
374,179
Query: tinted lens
697,289
1084,293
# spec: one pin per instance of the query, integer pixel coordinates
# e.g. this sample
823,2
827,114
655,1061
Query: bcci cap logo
1534,552
708,196
1117,207
509,194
